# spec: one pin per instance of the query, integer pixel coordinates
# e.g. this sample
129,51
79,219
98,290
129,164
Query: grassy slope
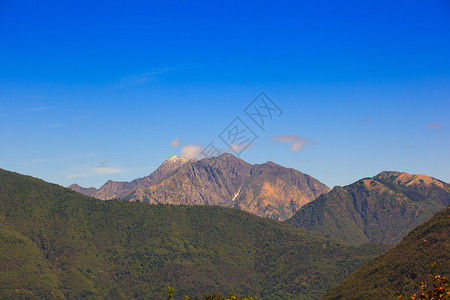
57,243
395,272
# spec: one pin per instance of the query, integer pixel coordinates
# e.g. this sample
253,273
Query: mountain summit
379,209
267,190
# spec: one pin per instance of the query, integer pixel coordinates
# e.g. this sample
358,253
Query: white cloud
296,146
434,126
298,143
190,151
175,143
285,138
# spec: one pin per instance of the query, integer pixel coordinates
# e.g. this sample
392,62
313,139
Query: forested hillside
56,243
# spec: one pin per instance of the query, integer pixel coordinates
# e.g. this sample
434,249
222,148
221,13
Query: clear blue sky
97,90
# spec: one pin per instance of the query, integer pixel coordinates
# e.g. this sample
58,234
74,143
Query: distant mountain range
397,271
268,190
120,189
379,209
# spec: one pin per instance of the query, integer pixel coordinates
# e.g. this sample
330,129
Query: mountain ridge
267,189
379,209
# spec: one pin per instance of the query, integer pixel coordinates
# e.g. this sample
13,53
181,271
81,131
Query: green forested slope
57,243
396,271
380,209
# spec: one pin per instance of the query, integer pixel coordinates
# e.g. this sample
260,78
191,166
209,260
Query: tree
208,297
437,291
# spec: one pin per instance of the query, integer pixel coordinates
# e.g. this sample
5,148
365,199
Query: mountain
426,186
85,191
397,271
268,190
379,209
56,243
118,189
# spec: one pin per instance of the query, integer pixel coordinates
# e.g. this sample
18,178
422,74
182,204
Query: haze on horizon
109,90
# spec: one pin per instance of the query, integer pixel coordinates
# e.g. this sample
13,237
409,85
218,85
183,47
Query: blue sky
98,91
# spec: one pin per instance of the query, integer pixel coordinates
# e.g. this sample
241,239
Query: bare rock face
268,190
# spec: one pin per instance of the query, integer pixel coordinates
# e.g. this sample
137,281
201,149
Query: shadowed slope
396,271
380,209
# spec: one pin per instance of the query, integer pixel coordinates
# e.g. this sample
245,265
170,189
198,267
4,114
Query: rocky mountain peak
86,191
402,178
177,158
268,189
174,162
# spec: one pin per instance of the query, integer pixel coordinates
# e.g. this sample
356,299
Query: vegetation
209,297
56,243
397,271
438,290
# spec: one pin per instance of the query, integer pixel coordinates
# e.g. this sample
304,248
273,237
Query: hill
268,190
56,243
379,209
396,271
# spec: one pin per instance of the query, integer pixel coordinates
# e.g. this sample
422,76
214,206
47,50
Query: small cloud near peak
175,143
190,151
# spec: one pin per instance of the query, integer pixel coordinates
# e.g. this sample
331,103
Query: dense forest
56,243
399,271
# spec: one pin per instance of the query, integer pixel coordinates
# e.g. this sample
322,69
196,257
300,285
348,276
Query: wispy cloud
102,171
90,172
175,143
434,126
141,78
297,142
42,108
364,120
191,151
